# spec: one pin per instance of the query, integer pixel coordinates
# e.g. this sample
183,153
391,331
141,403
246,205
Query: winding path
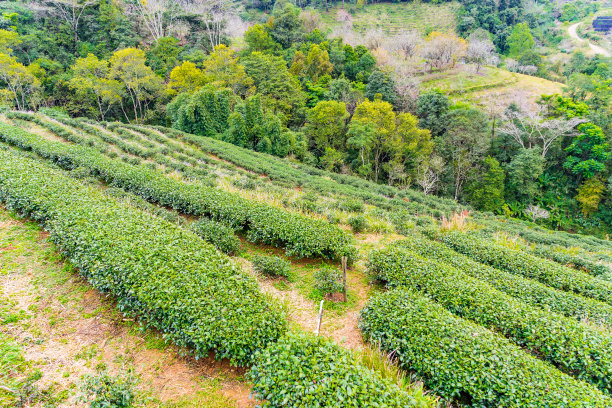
572,30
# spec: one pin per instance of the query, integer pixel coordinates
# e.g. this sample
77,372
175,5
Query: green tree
205,113
275,82
523,173
488,192
381,83
258,39
23,87
588,152
90,78
326,126
431,109
164,55
464,144
286,27
411,146
520,40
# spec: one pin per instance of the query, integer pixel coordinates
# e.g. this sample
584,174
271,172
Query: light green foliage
103,390
488,192
358,223
222,68
327,280
303,370
520,40
186,78
217,234
300,235
456,357
590,194
271,265
588,152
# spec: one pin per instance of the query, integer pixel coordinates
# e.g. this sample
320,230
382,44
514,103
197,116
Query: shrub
300,235
156,270
301,370
103,390
358,223
327,280
459,359
352,206
573,348
244,183
530,266
527,290
218,234
271,265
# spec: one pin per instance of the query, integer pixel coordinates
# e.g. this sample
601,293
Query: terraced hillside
228,253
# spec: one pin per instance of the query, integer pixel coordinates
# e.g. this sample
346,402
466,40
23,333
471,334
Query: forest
273,78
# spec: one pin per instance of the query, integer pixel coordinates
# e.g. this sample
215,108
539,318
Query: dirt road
572,30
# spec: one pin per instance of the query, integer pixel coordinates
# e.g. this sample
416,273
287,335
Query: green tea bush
555,254
461,360
352,206
302,370
327,280
244,183
271,265
103,390
358,223
300,235
571,346
530,266
218,234
527,290
157,271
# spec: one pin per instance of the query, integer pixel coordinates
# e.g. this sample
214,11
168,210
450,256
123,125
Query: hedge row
157,271
301,370
531,266
299,235
524,289
571,346
573,261
324,182
217,234
461,360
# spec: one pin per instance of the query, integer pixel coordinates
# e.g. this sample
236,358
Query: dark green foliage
218,234
431,108
351,206
588,152
523,173
526,290
155,270
327,280
462,360
569,345
381,83
306,371
204,113
271,265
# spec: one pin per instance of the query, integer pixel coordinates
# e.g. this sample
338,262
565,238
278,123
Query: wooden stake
320,318
344,263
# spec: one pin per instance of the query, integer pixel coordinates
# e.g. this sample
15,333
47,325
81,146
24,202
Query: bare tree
152,13
213,13
71,11
443,50
407,42
428,174
479,51
374,38
531,128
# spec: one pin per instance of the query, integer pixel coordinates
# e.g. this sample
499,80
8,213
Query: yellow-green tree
223,69
23,87
186,78
141,84
590,194
90,78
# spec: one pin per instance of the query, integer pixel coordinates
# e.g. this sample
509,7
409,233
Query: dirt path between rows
68,330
